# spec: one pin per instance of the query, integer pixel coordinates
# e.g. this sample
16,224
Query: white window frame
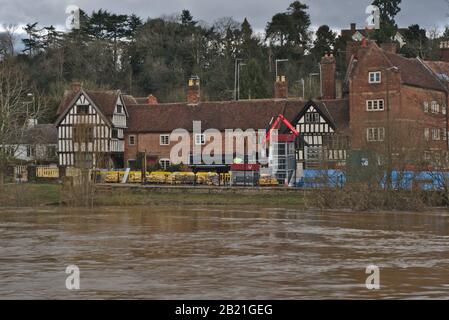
375,105
164,139
312,118
436,134
377,77
435,107
200,139
134,140
164,163
426,106
427,134
375,134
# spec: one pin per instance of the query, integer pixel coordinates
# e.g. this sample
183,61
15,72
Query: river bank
358,198
38,195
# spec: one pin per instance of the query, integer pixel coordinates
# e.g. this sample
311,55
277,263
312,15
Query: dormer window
375,77
82,109
119,109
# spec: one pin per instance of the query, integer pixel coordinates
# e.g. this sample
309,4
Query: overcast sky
336,13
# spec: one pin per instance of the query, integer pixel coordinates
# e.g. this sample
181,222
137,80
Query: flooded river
222,253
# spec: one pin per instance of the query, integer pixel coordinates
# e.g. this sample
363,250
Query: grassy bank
29,195
36,195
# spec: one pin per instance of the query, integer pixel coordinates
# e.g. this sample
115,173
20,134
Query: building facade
91,128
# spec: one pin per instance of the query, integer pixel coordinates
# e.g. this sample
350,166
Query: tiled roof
104,100
440,68
41,134
246,114
414,73
243,114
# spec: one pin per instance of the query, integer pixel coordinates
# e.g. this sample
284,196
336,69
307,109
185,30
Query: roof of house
243,114
41,134
335,111
413,71
440,68
346,33
104,100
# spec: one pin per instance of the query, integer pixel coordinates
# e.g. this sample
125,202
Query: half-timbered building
323,125
91,128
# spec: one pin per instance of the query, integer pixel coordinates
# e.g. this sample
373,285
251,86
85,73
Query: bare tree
19,105
8,40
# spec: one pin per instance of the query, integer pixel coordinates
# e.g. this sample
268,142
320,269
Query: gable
313,120
94,115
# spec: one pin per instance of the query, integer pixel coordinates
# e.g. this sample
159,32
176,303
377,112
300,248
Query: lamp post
277,62
238,79
237,62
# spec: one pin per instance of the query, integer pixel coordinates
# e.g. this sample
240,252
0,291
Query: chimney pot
152,100
193,91
281,88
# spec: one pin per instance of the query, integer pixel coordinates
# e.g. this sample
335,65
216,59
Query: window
50,151
165,163
375,77
375,134
82,109
312,117
132,140
426,106
443,134
375,105
200,139
31,151
435,107
427,133
436,134
119,109
165,140
443,110
114,134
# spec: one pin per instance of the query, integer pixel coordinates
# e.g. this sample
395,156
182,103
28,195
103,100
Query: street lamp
277,61
238,79
237,62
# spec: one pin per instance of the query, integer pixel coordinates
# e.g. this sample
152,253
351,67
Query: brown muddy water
222,253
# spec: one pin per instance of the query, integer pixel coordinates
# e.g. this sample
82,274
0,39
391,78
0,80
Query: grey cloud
336,13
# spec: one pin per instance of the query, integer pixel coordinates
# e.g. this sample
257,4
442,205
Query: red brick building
397,105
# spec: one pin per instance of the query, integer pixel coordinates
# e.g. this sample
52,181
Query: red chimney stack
193,91
152,100
328,70
281,88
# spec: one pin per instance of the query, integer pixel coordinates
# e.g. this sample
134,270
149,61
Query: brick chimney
353,27
193,91
328,70
390,47
76,86
281,88
444,51
152,100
